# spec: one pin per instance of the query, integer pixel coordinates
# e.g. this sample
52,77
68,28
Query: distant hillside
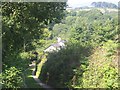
104,5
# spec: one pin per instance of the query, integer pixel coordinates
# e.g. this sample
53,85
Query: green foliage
73,67
24,55
19,60
22,25
25,30
66,60
79,27
18,19
101,72
11,78
111,47
60,30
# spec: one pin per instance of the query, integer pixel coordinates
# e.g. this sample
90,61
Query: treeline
104,5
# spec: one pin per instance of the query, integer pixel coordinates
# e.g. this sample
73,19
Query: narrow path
38,81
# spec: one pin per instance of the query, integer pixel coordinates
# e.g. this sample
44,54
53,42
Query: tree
60,29
23,23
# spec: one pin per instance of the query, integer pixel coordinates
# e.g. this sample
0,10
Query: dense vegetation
104,5
23,23
88,61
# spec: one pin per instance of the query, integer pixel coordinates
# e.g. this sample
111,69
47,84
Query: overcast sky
78,3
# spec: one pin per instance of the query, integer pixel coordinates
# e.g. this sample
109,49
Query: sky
79,3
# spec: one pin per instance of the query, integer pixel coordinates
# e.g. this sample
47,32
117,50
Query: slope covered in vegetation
89,59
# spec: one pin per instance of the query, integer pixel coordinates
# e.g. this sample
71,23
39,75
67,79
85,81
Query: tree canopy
89,59
22,23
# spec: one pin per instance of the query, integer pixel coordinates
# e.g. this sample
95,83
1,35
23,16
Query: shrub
100,73
11,78
59,67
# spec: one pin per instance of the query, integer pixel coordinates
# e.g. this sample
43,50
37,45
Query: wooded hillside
88,60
